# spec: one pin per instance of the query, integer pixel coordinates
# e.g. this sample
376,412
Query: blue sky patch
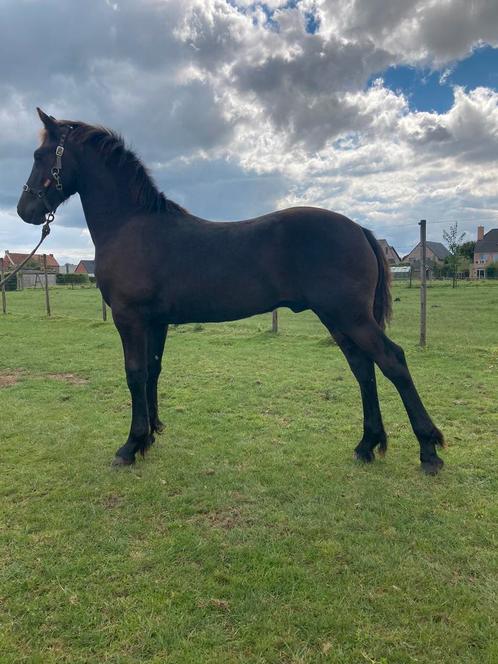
481,68
311,21
429,90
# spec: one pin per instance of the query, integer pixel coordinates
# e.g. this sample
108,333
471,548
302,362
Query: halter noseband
56,176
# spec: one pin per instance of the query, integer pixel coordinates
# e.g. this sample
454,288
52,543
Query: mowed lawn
248,534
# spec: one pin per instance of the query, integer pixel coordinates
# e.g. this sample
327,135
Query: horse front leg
155,348
133,334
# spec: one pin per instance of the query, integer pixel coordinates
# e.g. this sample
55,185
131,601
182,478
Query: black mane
116,154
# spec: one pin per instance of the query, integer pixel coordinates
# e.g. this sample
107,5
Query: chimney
480,233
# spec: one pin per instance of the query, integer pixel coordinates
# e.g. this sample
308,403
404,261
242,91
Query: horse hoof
159,426
364,456
432,467
118,462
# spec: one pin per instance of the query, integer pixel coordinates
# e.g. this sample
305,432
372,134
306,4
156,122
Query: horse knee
135,378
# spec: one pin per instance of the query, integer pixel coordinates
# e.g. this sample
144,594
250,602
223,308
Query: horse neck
105,196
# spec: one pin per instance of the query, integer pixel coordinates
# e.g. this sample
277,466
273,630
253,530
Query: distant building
86,267
32,274
401,272
68,268
436,253
12,260
390,252
485,252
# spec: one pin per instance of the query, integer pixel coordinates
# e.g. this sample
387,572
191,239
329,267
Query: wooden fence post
423,283
47,299
4,301
274,321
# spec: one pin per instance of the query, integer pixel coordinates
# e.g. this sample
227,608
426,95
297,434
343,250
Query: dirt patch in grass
221,604
9,378
112,501
68,378
225,519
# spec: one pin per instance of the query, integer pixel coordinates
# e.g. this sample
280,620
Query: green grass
248,534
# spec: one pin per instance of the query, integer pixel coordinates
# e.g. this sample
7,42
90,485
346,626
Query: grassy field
248,534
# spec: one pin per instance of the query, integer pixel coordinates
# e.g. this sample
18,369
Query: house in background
12,260
436,253
31,275
390,252
68,268
485,252
86,267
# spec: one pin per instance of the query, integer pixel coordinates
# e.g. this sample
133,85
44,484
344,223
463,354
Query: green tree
467,249
454,242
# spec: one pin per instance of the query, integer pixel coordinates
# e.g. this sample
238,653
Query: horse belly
229,296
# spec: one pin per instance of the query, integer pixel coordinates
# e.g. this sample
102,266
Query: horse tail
382,300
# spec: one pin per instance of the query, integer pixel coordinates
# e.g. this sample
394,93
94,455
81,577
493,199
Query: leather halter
56,177
42,194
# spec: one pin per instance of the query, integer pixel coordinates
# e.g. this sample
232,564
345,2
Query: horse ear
49,122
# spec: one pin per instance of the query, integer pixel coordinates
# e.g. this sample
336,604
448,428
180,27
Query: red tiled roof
85,267
15,259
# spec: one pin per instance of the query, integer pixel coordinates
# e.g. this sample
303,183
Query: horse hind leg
390,358
363,368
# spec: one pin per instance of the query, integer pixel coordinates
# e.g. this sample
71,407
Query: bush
72,279
11,284
492,271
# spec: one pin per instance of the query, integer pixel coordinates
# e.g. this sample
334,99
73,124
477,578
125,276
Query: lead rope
45,232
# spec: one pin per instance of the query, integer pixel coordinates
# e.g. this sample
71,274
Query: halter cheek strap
56,170
56,175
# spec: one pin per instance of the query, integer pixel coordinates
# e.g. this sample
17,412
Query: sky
383,110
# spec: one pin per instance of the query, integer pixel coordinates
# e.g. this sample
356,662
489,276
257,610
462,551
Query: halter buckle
59,151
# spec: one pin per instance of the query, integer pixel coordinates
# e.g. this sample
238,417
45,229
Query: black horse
187,269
